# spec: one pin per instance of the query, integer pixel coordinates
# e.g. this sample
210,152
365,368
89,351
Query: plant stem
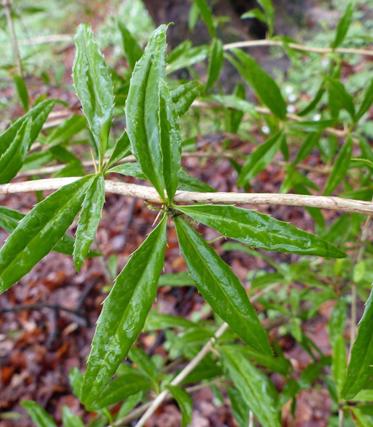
297,46
150,194
7,4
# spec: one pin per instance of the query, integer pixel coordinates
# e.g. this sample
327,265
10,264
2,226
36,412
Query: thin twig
7,4
150,194
297,46
192,364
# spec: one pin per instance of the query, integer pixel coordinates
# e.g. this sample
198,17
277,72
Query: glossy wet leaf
151,120
190,56
122,149
10,218
94,87
39,231
360,368
259,158
340,167
124,313
89,219
131,48
254,387
260,230
66,130
37,115
11,160
216,60
343,26
38,414
185,403
220,287
261,82
184,95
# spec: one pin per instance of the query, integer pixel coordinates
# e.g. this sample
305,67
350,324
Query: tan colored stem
149,193
296,46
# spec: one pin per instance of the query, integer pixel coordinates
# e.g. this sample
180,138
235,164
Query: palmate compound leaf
124,313
39,231
151,118
260,230
94,87
220,287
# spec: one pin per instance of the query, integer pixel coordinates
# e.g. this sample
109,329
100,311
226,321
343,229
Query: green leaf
131,48
89,219
66,130
216,59
340,167
269,13
307,146
93,85
165,321
206,16
190,183
122,149
360,369
255,13
151,120
220,287
124,312
184,402
254,387
10,218
343,26
145,364
38,414
260,230
22,91
189,56
366,103
12,159
260,158
170,142
240,409
339,98
184,95
314,101
261,82
336,328
38,115
121,388
39,231
69,419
